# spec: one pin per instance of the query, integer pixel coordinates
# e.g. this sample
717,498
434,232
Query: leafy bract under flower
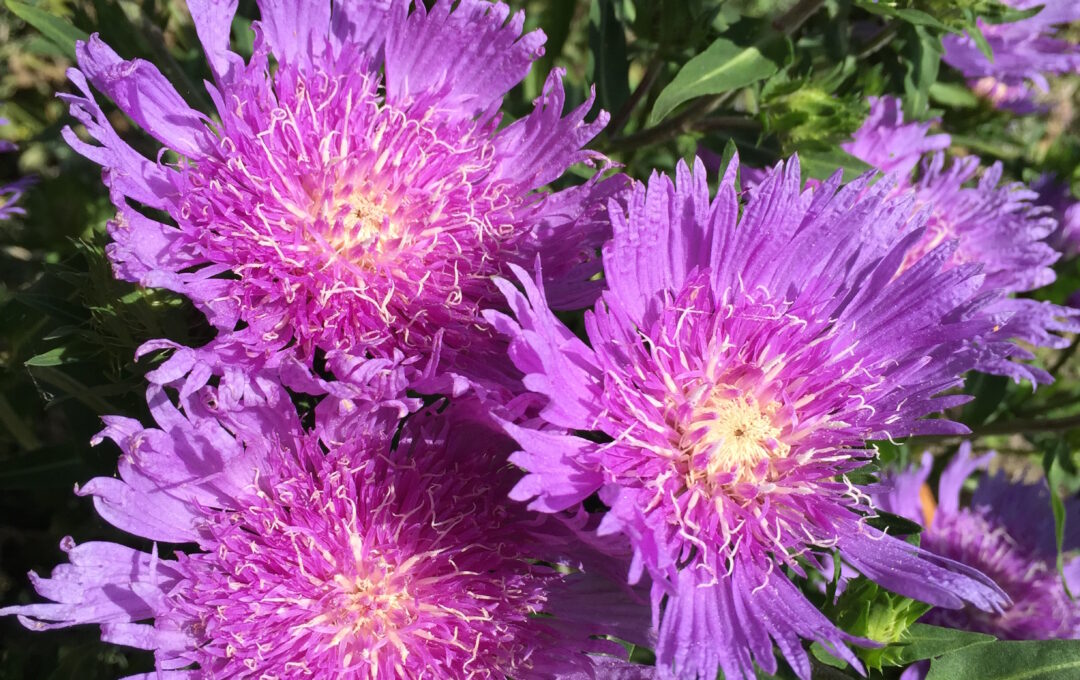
998,226
375,544
1007,533
358,194
736,366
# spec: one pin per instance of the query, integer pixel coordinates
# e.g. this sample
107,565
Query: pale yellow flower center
736,434
374,604
363,223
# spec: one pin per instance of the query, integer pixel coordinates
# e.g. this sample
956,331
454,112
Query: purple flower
1007,533
1065,209
11,193
996,225
359,193
888,143
1024,52
376,543
736,366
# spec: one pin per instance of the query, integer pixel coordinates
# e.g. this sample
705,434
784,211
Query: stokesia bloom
1007,533
359,193
735,367
999,226
378,543
11,192
1024,53
1055,195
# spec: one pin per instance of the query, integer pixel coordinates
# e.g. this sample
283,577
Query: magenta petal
142,92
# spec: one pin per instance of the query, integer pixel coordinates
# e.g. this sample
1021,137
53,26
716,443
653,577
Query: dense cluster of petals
1024,53
355,189
1056,195
376,543
1001,227
736,365
394,460
1007,533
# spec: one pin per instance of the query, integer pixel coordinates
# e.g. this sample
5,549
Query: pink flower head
889,143
1024,53
376,543
735,368
356,189
1006,533
999,226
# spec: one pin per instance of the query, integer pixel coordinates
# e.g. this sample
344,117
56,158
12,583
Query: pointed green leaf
914,17
922,641
951,94
56,29
611,68
1052,467
922,50
724,66
824,656
980,41
54,357
1024,660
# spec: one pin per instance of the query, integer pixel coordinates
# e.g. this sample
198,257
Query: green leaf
922,51
822,163
557,19
914,17
243,38
1052,467
920,18
894,524
1007,15
980,41
54,357
824,656
642,655
611,68
730,149
1024,660
989,392
922,641
58,30
951,94
724,66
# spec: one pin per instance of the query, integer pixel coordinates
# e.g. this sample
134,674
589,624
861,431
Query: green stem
652,73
